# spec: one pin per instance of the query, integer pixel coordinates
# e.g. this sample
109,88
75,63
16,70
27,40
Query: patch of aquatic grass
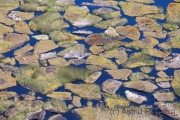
35,77
5,104
45,5
6,5
113,45
56,104
70,74
48,22
113,101
29,7
137,60
170,26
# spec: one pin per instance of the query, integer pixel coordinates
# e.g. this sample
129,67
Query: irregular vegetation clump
45,80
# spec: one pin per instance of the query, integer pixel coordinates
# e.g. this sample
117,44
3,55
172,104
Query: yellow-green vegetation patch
176,82
10,61
6,80
148,42
45,46
55,105
5,104
60,95
64,36
173,13
170,26
22,27
160,16
111,23
130,32
4,19
154,52
35,78
115,53
101,61
107,14
9,4
138,9
140,85
113,101
87,91
45,80
137,60
121,74
32,7
5,29
73,13
146,69
48,22
58,62
175,38
6,95
113,45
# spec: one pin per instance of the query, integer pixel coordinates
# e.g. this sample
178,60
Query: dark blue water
104,76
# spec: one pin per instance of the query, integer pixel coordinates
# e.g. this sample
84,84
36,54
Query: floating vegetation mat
89,60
